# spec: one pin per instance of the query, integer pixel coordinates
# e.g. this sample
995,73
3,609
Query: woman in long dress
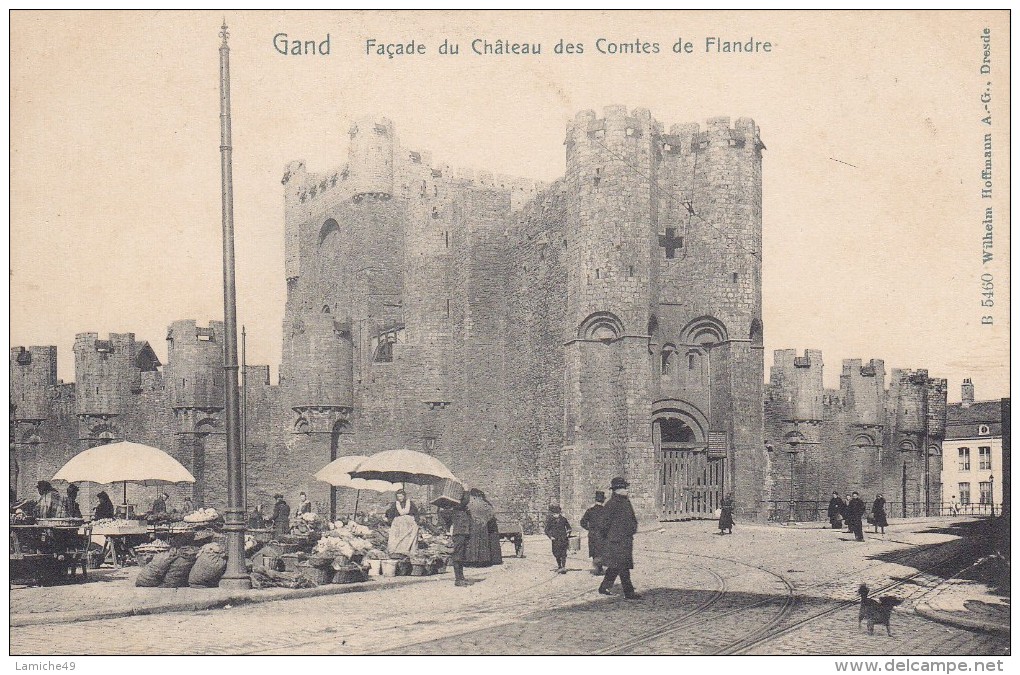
483,544
726,514
878,516
403,519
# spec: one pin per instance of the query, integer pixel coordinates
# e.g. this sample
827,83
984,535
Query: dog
875,611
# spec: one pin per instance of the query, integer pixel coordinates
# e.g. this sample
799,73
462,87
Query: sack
180,568
718,513
208,568
152,575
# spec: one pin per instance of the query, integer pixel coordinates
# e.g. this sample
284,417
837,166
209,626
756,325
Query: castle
538,339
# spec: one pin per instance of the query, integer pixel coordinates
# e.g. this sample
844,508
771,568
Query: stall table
48,553
120,537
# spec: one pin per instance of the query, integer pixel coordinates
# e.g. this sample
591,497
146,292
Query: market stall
48,550
124,462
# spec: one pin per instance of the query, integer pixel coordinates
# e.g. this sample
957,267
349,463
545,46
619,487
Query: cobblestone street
763,590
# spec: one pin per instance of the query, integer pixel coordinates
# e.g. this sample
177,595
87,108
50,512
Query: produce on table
201,516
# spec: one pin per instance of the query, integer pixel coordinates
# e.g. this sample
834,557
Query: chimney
967,393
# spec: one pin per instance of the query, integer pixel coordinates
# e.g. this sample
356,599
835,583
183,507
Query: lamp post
991,491
792,451
236,575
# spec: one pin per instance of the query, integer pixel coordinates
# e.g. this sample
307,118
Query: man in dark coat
855,512
558,530
618,529
592,521
281,517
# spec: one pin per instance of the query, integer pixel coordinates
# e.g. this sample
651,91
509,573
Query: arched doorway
691,483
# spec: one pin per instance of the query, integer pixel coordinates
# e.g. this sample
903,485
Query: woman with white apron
403,519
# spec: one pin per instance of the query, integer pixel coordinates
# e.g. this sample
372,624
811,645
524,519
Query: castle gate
691,483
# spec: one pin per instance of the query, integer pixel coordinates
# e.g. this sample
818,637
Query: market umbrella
123,462
338,474
403,466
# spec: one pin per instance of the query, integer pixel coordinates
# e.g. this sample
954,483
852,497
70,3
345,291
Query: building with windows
972,461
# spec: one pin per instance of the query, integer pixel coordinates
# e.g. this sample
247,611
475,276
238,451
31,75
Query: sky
872,219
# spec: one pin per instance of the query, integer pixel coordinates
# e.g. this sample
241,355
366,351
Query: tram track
543,596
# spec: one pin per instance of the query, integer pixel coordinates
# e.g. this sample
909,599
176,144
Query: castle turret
797,382
194,372
108,373
33,373
371,157
863,389
610,217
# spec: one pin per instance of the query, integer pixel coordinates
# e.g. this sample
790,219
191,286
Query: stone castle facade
538,339
862,436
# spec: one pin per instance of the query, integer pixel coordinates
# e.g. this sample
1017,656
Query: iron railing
807,511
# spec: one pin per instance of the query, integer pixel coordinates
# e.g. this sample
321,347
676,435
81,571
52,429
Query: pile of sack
185,566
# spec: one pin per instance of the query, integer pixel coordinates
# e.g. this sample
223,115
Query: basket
340,562
450,494
273,563
388,568
420,570
315,575
374,567
574,542
404,568
286,548
352,574
290,562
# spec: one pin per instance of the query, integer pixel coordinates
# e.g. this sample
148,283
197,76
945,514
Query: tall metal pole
244,419
236,576
927,457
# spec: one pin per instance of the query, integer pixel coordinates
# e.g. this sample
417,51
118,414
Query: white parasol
123,462
338,474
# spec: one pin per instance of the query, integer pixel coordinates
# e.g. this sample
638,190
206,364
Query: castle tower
609,230
194,372
108,373
797,404
371,157
707,333
195,386
917,407
33,372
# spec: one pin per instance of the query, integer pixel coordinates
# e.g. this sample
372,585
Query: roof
979,412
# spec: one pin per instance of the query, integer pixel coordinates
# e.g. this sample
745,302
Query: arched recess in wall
705,331
329,229
302,426
757,333
863,441
907,446
689,414
602,326
101,434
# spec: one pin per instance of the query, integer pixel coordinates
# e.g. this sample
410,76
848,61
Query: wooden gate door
692,484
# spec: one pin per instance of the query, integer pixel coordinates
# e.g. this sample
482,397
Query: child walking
558,530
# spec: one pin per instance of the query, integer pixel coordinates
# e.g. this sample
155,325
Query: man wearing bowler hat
619,524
